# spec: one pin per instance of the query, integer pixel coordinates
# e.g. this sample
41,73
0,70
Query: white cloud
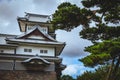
71,69
74,44
10,9
75,70
77,2
74,67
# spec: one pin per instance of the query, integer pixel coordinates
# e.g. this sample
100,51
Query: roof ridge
37,14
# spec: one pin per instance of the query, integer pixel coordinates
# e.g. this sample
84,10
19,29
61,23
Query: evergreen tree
99,74
103,13
69,16
103,52
108,12
67,77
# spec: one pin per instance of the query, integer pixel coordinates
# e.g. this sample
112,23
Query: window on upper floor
41,51
27,50
44,51
44,30
29,27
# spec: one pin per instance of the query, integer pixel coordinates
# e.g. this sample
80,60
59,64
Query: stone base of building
27,75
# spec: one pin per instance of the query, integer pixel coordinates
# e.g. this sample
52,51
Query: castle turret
31,20
35,50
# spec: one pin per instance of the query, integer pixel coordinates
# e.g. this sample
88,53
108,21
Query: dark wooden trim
19,25
14,61
62,49
8,46
15,51
25,27
55,52
48,30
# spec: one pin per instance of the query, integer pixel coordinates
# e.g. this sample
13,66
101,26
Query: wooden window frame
43,51
27,50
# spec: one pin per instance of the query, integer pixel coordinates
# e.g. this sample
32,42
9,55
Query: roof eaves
12,45
33,42
25,33
1,34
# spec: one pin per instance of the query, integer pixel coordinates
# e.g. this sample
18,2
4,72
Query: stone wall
26,75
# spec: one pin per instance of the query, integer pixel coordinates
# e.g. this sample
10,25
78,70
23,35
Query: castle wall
15,70
27,75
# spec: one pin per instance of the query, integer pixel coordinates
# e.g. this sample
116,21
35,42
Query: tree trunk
110,70
114,73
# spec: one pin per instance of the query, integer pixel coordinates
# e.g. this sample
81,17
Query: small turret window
29,27
44,30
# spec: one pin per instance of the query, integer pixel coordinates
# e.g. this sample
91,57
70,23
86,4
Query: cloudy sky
10,9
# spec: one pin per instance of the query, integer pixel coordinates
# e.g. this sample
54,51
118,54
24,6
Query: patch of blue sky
74,67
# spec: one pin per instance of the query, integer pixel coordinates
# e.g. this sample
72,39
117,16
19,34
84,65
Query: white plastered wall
35,50
2,40
9,51
38,19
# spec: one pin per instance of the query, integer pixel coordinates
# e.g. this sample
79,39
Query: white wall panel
36,37
2,40
10,51
35,50
38,19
